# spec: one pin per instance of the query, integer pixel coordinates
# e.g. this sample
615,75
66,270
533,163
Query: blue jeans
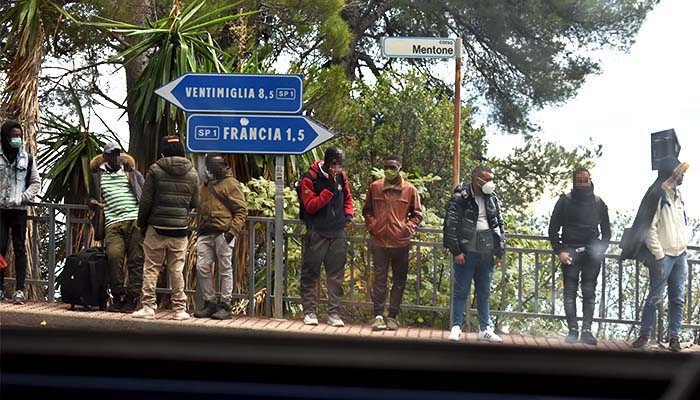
674,271
479,267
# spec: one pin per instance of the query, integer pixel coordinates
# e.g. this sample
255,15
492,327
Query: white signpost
422,47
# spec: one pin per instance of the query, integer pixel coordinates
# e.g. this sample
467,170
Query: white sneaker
334,320
310,319
180,316
455,333
489,336
144,313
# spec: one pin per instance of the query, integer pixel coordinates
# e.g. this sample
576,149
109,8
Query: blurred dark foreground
191,364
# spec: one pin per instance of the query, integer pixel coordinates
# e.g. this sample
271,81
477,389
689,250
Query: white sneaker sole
337,324
143,316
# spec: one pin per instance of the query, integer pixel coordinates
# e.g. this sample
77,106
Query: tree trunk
139,143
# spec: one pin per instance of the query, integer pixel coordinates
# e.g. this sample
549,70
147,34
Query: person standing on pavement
392,213
115,190
222,215
169,193
19,185
662,224
582,218
474,233
327,211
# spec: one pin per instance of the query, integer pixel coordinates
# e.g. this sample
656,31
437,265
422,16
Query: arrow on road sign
235,93
268,134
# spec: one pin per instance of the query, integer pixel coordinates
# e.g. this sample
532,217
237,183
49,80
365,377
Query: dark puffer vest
169,193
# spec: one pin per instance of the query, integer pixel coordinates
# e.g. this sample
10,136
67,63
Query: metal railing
527,284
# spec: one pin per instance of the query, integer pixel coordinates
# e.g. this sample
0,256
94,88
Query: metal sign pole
279,240
458,107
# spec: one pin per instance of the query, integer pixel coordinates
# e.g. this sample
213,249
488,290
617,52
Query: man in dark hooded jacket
169,193
19,185
580,249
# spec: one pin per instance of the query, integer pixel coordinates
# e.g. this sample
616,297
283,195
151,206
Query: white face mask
488,187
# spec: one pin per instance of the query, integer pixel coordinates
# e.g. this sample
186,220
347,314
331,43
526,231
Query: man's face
392,164
480,179
215,165
335,169
112,159
582,180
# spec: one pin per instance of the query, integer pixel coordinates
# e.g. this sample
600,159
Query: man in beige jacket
667,242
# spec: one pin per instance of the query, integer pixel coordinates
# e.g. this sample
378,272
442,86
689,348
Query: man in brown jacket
392,213
222,214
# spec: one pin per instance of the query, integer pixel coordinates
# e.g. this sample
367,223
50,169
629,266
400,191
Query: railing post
52,254
251,269
69,232
660,323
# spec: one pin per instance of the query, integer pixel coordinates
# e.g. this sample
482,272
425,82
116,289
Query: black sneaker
129,305
641,342
116,305
588,338
206,311
674,344
223,311
572,337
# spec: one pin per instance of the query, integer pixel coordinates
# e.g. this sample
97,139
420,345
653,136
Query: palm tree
23,26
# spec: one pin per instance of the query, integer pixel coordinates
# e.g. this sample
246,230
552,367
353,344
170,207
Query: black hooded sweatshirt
579,214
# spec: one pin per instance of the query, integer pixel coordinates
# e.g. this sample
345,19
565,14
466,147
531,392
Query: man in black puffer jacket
169,193
579,214
474,234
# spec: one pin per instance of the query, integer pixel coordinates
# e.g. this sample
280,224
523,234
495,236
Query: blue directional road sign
268,134
235,93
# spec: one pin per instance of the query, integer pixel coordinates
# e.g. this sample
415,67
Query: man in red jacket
327,209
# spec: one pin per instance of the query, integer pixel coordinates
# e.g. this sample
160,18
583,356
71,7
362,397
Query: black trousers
14,222
586,266
383,257
332,253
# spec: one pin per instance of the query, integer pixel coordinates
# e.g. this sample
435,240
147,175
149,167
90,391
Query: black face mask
583,192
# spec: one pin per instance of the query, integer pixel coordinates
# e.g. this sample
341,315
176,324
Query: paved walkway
58,315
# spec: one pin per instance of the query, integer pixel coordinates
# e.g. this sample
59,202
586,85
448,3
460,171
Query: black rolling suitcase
85,278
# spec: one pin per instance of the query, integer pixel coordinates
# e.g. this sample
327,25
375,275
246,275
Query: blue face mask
16,142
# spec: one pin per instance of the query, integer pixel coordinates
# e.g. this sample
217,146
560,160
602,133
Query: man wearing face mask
222,214
19,185
665,239
579,215
328,210
115,190
474,233
392,213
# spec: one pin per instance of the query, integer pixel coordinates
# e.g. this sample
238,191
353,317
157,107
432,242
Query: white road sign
419,47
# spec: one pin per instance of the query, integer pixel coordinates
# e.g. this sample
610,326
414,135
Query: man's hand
348,221
94,203
565,258
459,258
496,261
228,236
